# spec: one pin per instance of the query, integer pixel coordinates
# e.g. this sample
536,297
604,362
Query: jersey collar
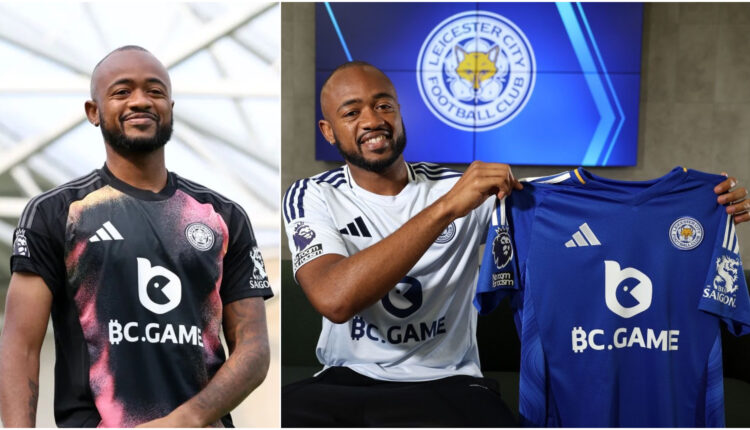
138,193
632,192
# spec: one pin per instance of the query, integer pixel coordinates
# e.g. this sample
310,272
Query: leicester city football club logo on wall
476,71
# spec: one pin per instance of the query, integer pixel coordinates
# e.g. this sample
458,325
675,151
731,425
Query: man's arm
339,287
738,205
247,365
27,311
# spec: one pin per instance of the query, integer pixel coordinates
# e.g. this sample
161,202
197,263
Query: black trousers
341,397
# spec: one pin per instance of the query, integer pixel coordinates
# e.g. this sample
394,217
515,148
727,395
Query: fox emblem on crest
479,74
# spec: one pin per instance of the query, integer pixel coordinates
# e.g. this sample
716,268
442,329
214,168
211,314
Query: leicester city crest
476,70
686,233
447,234
502,250
200,236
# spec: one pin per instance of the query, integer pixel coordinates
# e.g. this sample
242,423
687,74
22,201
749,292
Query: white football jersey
425,327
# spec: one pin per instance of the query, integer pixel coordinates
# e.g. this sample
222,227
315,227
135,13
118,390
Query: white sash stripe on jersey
590,236
112,231
503,222
737,246
726,231
494,214
553,180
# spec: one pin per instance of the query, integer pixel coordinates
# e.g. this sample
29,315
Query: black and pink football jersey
139,281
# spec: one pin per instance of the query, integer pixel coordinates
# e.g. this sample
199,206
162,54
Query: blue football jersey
618,289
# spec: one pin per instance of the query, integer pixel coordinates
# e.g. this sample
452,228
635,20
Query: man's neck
389,182
143,171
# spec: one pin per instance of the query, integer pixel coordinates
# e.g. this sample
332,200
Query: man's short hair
122,48
348,64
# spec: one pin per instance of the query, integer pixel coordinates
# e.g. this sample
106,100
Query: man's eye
351,113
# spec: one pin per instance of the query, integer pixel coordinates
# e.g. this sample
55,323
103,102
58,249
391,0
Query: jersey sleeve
310,227
244,272
498,274
725,292
38,245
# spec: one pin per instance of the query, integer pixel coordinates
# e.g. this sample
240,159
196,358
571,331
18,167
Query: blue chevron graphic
612,117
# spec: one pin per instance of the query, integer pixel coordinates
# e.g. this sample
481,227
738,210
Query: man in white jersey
400,356
403,355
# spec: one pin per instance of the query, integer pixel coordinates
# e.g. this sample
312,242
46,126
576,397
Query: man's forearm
247,365
339,287
19,387
234,381
27,310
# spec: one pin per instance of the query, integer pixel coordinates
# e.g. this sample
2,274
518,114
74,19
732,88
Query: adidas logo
107,232
581,239
356,228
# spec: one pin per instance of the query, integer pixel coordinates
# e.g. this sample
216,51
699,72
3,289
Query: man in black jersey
139,269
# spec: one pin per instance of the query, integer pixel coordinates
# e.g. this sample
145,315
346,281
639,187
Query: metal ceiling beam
25,181
196,123
190,137
11,207
24,34
235,88
28,147
222,69
215,30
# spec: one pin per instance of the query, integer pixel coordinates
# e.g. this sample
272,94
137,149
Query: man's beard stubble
125,145
356,158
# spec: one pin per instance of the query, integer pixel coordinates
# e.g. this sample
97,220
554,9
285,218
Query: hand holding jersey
479,181
734,199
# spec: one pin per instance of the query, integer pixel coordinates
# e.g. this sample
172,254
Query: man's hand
734,198
173,421
480,181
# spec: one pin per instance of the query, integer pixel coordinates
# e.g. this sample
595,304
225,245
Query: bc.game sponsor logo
597,339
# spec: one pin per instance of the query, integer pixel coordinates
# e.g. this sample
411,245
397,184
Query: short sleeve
244,274
38,247
309,225
725,291
498,274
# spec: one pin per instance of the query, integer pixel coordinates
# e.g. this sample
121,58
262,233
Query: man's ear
92,112
327,130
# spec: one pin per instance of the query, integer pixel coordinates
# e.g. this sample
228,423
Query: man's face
132,102
362,118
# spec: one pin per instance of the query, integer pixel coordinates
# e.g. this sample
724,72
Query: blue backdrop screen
520,83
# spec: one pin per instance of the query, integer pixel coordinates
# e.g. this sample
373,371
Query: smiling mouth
376,143
139,119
